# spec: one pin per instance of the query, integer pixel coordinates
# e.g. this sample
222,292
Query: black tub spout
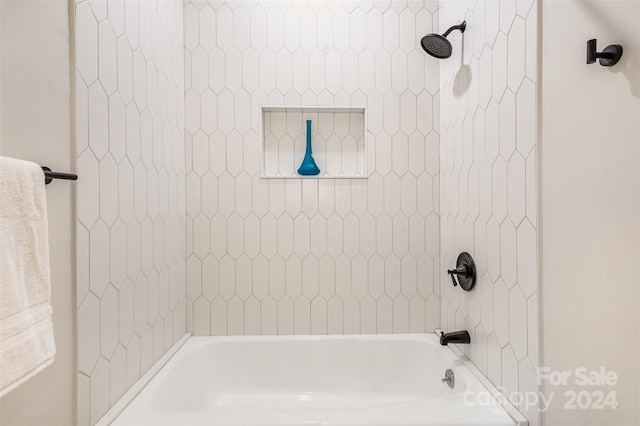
461,336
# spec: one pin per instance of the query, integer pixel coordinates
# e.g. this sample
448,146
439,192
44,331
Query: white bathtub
314,380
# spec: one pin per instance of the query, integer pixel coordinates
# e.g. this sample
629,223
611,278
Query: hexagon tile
176,231
130,227
488,136
300,256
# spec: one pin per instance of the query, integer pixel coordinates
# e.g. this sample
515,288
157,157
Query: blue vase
308,166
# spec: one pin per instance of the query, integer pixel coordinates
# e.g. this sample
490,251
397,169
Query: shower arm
460,27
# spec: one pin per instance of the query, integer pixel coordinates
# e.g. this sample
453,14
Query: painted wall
35,125
311,256
488,169
590,205
130,228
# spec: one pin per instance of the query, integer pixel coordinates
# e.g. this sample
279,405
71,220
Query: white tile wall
130,192
488,160
301,256
267,256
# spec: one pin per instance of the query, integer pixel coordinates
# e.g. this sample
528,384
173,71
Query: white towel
26,329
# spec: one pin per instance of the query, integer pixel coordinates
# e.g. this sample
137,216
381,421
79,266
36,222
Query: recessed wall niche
338,141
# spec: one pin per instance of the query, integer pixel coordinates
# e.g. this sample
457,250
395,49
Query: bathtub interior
300,367
312,380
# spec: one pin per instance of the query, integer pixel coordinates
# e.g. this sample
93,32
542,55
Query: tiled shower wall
285,256
488,135
130,192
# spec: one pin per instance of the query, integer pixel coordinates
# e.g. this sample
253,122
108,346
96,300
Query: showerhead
437,45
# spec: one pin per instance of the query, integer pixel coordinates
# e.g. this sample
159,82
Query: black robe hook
608,57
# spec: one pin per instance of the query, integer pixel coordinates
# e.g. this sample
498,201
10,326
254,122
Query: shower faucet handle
460,270
608,57
453,278
465,270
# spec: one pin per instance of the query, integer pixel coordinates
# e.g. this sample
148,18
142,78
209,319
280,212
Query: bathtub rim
128,397
511,410
142,382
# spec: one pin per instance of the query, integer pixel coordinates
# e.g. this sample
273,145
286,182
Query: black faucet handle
465,270
461,270
453,277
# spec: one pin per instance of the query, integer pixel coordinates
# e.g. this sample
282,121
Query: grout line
139,385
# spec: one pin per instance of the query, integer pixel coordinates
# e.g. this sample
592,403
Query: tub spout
461,336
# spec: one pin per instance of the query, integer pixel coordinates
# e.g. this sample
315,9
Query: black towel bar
49,175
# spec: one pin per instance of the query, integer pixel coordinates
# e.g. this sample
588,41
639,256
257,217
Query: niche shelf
338,140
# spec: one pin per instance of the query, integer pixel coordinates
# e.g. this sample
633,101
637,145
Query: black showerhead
437,45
